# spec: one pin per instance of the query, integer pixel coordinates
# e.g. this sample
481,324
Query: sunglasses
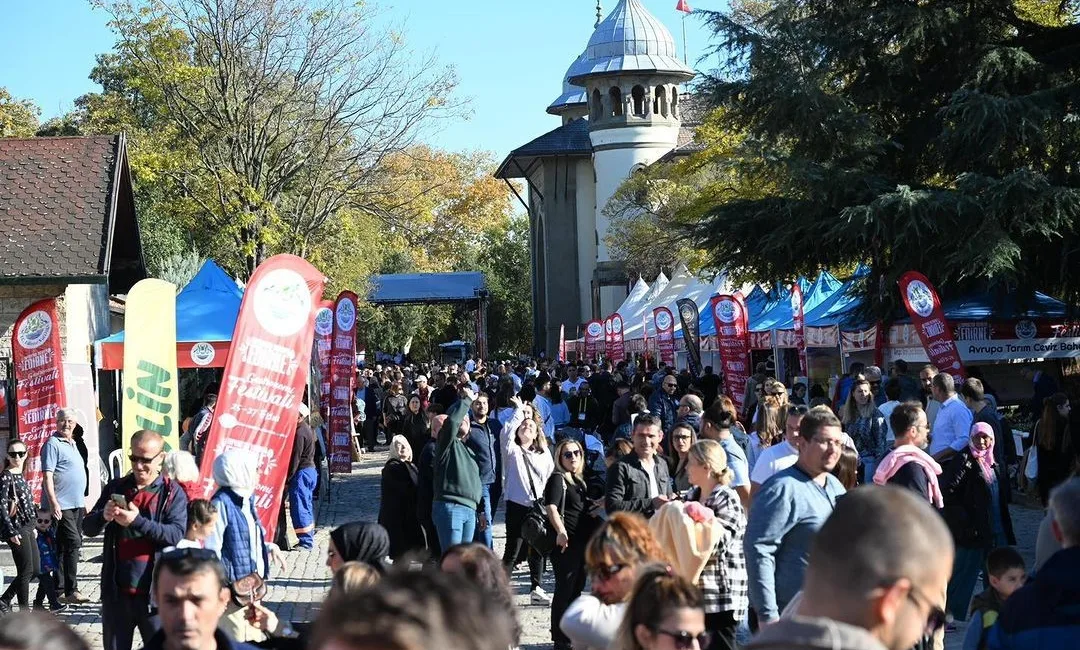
44,521
137,460
684,640
16,454
936,619
607,572
571,454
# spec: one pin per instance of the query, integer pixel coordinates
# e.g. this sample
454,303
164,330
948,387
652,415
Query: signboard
594,335
342,376
800,334
688,315
665,334
618,351
731,319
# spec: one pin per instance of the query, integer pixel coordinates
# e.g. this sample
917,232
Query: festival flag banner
39,382
594,334
688,315
730,317
562,342
684,7
924,307
609,344
342,376
800,326
618,349
151,396
264,378
665,334
324,336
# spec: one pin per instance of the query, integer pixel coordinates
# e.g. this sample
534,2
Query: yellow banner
151,394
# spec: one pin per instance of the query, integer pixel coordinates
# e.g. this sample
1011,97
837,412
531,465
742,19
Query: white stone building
620,110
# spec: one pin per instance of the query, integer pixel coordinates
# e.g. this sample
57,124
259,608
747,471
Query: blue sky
510,55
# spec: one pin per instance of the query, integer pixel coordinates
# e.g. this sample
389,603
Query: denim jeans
485,536
455,523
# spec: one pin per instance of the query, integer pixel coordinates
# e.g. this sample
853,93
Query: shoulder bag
536,530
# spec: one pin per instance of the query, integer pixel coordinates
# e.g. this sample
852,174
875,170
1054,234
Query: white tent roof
637,293
683,285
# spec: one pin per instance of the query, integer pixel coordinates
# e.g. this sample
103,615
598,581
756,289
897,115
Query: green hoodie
457,476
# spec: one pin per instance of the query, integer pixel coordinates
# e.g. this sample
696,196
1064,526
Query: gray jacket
806,633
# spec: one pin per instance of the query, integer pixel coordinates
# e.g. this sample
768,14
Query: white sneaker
539,597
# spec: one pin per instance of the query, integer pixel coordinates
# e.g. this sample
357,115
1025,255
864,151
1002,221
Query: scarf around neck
903,455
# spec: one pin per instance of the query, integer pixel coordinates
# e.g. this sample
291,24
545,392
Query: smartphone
119,500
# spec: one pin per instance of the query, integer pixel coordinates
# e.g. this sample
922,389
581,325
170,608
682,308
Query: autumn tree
18,117
283,110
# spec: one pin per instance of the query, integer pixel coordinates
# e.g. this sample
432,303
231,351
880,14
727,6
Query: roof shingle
57,206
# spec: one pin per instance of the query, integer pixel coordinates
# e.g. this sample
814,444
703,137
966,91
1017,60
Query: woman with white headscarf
239,538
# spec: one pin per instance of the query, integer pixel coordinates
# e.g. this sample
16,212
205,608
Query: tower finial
599,14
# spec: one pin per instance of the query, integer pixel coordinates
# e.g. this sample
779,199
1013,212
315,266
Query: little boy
47,575
1007,574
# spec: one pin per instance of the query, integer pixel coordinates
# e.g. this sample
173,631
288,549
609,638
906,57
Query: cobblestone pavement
296,593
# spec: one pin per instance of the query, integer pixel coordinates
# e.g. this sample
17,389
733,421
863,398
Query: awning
206,312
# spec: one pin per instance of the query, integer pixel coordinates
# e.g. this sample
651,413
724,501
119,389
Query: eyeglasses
607,572
684,640
16,454
137,460
571,454
681,437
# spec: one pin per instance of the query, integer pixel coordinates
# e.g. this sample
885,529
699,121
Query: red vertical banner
618,349
732,337
265,376
39,382
342,376
665,334
924,307
594,334
800,324
324,335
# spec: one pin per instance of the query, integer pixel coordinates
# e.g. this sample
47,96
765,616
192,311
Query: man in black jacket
585,412
640,482
483,441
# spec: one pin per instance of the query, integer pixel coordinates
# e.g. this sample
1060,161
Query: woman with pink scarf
976,492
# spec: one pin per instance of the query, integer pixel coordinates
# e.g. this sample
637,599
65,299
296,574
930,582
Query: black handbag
536,530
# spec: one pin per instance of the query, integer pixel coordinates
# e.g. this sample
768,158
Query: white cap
304,410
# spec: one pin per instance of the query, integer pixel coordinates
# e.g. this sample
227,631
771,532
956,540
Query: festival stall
206,312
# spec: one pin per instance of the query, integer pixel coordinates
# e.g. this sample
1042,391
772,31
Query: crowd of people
667,518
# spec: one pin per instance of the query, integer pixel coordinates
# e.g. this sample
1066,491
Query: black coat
627,485
967,502
397,507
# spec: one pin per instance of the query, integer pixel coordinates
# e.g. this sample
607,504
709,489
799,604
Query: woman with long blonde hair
769,428
527,466
572,517
724,579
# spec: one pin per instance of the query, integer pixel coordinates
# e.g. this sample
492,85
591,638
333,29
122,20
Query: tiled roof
58,204
570,139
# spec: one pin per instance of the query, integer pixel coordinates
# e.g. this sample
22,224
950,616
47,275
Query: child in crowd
1007,573
201,519
48,578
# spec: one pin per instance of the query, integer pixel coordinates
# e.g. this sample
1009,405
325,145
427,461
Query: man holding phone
141,514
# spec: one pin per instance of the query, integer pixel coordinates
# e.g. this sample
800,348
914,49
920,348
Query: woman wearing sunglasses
613,556
666,612
571,515
17,514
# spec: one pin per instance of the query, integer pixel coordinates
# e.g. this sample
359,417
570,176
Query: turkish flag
684,7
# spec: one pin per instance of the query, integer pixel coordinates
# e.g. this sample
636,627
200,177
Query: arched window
637,94
660,105
616,101
675,101
596,105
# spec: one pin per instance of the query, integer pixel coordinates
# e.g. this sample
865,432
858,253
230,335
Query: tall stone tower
631,73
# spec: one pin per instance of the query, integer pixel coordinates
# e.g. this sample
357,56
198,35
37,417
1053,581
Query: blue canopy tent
206,312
